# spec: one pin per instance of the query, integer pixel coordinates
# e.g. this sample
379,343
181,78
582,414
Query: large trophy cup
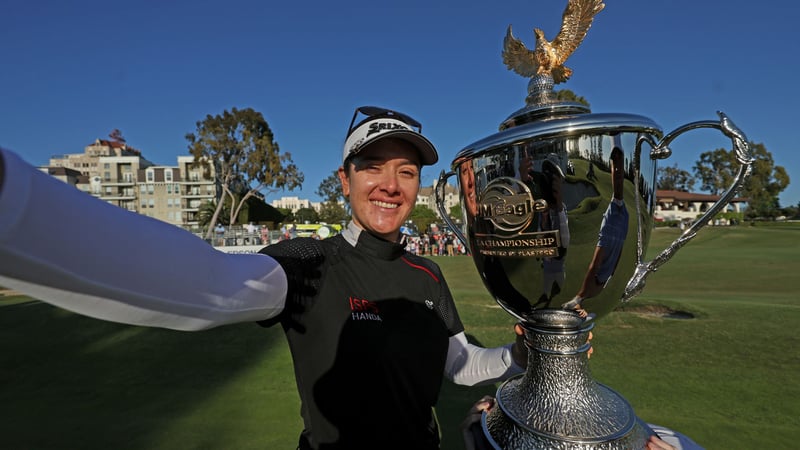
557,210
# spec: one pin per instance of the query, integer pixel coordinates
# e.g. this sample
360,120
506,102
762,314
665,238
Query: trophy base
556,404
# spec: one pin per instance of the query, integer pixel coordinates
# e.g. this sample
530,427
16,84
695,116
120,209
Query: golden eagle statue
548,58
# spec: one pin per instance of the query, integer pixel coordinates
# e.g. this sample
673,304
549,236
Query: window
142,189
150,188
168,175
149,176
151,203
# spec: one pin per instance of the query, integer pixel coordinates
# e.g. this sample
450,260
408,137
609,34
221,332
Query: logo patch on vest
361,309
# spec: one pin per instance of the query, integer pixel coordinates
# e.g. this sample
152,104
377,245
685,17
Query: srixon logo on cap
376,127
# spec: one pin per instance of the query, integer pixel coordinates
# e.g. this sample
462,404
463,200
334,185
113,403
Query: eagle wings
549,57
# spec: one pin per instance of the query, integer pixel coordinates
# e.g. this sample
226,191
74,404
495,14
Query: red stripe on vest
425,269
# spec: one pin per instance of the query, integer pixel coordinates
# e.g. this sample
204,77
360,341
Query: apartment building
121,176
197,186
88,163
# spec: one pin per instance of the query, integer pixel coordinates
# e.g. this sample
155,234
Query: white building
294,204
679,205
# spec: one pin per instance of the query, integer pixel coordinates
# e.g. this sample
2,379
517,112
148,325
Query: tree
288,215
422,216
672,178
332,212
241,147
330,188
306,215
206,211
569,96
716,170
456,212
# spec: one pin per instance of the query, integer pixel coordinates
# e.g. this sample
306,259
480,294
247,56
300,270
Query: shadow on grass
73,382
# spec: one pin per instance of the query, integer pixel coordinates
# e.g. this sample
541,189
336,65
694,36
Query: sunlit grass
727,378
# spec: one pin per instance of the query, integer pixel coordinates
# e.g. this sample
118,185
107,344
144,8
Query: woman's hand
519,351
655,443
470,427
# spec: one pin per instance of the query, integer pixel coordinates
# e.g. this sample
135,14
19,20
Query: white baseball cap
382,123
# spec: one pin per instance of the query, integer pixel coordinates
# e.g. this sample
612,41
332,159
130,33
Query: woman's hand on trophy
519,351
471,426
655,443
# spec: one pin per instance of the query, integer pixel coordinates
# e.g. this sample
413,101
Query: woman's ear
345,180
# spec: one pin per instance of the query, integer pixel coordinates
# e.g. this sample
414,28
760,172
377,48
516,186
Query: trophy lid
542,104
546,116
563,121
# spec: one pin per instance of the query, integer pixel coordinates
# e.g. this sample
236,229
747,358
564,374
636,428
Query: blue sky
73,71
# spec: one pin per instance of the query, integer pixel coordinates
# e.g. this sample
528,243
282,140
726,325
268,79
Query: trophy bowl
555,210
558,211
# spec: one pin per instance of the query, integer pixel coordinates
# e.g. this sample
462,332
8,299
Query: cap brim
365,135
427,152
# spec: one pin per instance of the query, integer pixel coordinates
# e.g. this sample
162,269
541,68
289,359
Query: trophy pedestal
556,404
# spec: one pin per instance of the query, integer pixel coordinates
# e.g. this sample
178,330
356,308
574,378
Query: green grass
727,378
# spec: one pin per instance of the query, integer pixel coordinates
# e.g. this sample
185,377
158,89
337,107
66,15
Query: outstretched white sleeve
64,247
470,365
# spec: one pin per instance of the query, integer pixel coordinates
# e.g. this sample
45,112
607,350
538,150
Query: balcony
118,183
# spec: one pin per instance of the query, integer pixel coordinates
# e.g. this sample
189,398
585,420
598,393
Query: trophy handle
741,147
439,193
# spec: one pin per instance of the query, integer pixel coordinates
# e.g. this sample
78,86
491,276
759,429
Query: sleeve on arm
64,247
470,365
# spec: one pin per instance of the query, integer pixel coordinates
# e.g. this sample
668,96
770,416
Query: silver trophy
557,213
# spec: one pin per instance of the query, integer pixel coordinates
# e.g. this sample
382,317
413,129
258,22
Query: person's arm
62,246
470,365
